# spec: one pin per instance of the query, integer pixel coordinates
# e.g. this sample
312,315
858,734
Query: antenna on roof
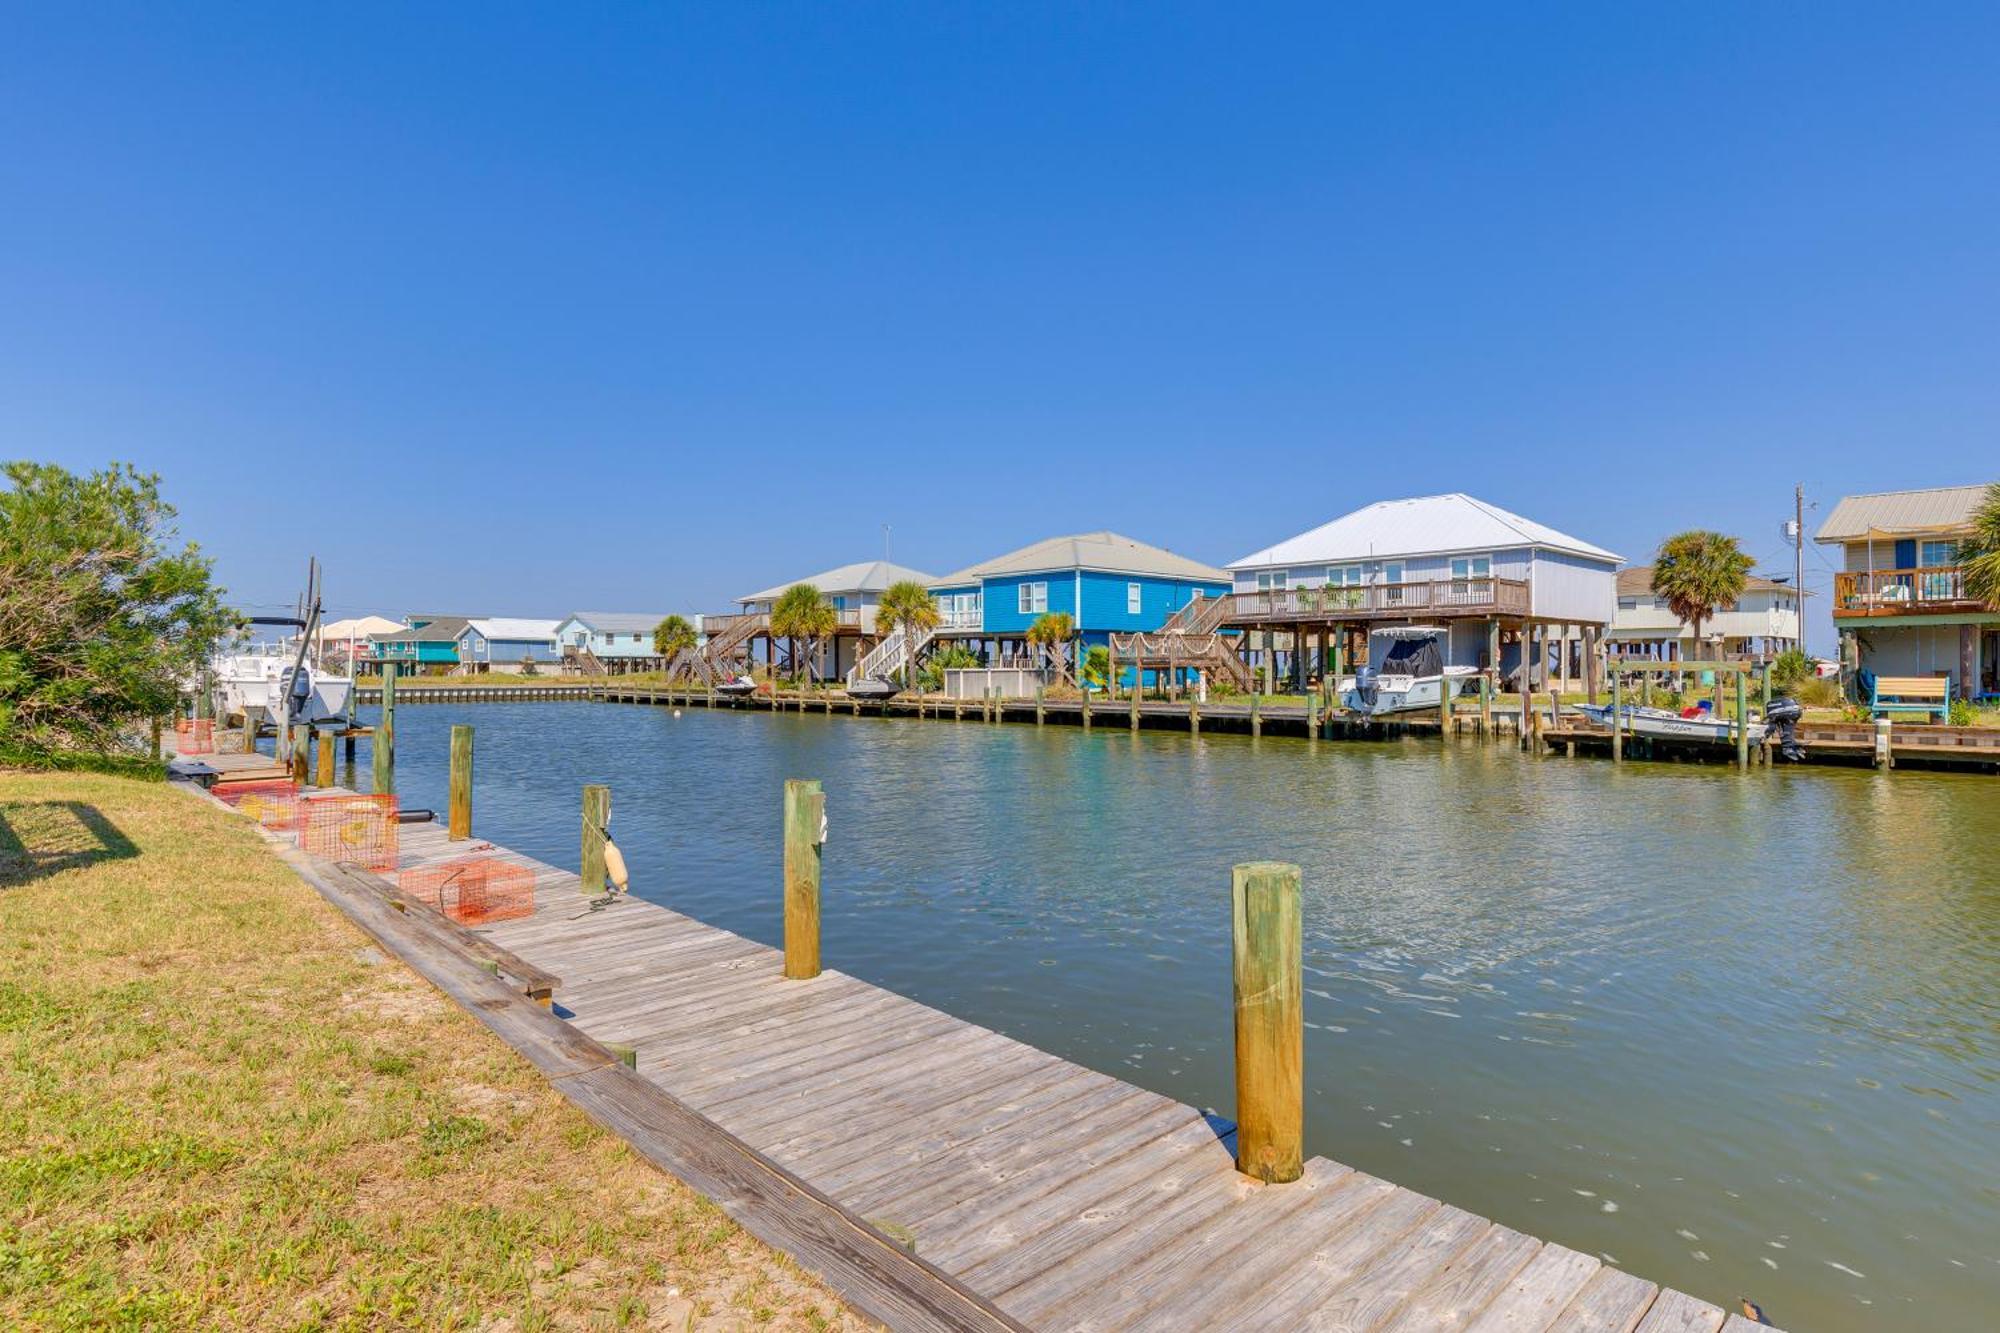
885,543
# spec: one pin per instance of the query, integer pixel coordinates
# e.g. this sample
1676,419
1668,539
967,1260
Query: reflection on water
1737,1034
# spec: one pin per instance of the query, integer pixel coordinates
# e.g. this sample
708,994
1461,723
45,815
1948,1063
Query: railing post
460,816
596,824
1270,1031
805,820
382,749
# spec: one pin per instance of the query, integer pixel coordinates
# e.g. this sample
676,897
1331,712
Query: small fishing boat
1405,673
737,687
1638,720
873,689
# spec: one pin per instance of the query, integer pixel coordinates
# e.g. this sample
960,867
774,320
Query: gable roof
868,576
358,627
444,629
1102,552
515,627
1937,509
616,622
1637,581
1426,525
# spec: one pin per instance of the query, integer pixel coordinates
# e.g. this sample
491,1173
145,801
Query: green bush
950,657
1962,714
1790,667
1818,692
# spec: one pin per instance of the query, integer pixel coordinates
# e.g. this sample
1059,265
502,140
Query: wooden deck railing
1456,596
1892,592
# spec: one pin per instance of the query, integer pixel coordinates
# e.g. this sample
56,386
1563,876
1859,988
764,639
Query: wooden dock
1064,1197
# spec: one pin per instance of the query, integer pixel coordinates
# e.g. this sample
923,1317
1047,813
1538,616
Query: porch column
1968,663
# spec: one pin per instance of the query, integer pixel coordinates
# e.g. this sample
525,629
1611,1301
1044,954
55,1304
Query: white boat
1405,673
1639,720
283,680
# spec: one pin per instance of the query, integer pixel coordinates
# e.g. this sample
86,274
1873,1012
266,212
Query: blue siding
1002,600
1105,601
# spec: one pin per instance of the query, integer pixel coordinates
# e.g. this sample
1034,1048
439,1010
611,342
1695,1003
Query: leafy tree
1790,667
1980,556
907,606
103,620
1051,632
802,612
1697,571
1096,672
671,636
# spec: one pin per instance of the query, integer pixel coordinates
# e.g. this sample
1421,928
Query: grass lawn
221,1107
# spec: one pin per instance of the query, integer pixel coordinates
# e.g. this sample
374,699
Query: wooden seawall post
1256,716
1485,704
1742,722
298,734
1270,1021
1086,708
805,815
383,746
1132,702
1617,715
323,766
250,723
596,822
1039,704
459,819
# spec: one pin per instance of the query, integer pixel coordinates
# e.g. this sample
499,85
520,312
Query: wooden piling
459,819
298,754
1486,703
1086,708
1194,715
250,721
1132,703
1256,717
1742,722
1617,716
323,774
596,825
382,748
1040,703
1270,1031
805,807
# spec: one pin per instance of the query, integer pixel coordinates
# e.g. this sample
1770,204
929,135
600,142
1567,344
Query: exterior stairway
888,655
1191,640
722,656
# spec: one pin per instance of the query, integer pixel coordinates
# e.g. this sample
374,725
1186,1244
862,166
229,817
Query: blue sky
516,310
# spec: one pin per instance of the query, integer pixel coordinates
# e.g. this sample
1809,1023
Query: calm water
1739,1035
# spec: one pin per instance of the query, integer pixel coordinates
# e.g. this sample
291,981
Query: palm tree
909,607
802,612
671,636
1980,555
1697,571
1051,631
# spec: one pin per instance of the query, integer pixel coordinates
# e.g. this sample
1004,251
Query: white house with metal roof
854,590
1490,576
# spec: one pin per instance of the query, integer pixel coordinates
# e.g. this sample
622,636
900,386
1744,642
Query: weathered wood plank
1336,1262
1678,1312
1398,1272
1539,1292
1467,1285
1611,1302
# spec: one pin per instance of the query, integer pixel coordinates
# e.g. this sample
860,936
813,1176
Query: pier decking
1064,1197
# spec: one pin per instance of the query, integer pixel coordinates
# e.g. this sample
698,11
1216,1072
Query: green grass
221,1107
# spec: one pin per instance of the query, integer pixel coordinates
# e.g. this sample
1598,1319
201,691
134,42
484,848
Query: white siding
1569,587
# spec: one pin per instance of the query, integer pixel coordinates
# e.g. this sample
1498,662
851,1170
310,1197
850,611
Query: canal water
1737,1033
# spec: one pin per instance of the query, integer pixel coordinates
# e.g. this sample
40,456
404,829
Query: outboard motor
1784,713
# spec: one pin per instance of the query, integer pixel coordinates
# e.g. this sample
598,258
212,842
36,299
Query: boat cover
1411,657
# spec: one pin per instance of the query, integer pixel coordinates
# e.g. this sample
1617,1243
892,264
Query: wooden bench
1915,694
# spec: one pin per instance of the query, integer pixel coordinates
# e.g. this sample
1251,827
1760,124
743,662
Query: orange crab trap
359,830
472,890
274,804
194,735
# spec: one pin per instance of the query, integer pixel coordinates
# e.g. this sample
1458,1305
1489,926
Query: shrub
1790,667
1962,714
1818,692
952,656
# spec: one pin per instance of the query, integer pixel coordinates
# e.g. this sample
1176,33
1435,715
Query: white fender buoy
614,865
677,712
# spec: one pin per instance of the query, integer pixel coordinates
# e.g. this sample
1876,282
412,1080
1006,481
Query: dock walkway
1065,1197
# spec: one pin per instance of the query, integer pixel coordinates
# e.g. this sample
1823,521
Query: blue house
1107,582
507,642
615,641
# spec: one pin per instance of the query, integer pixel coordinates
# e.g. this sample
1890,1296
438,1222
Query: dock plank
1466,1286
1610,1302
1539,1292
1678,1312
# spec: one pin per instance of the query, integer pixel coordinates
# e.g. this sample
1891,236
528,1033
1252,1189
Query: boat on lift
284,681
1406,673
873,689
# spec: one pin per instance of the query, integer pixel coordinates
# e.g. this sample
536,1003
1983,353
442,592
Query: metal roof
616,622
1427,525
1102,552
516,627
867,576
1636,580
444,629
1937,509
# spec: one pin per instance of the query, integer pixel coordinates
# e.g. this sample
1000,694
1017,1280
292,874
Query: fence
194,735
359,830
274,804
473,890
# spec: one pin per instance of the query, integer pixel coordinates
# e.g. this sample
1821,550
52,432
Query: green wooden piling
1270,1032
596,825
805,808
459,825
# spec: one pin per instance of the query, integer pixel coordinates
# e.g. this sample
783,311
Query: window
1132,593
1933,554
1628,603
1344,576
1271,581
1034,598
1472,567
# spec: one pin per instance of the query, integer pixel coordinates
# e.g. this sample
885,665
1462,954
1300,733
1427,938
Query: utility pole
1799,558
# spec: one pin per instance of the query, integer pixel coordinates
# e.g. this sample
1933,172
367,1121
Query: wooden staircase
724,655
888,655
1190,640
